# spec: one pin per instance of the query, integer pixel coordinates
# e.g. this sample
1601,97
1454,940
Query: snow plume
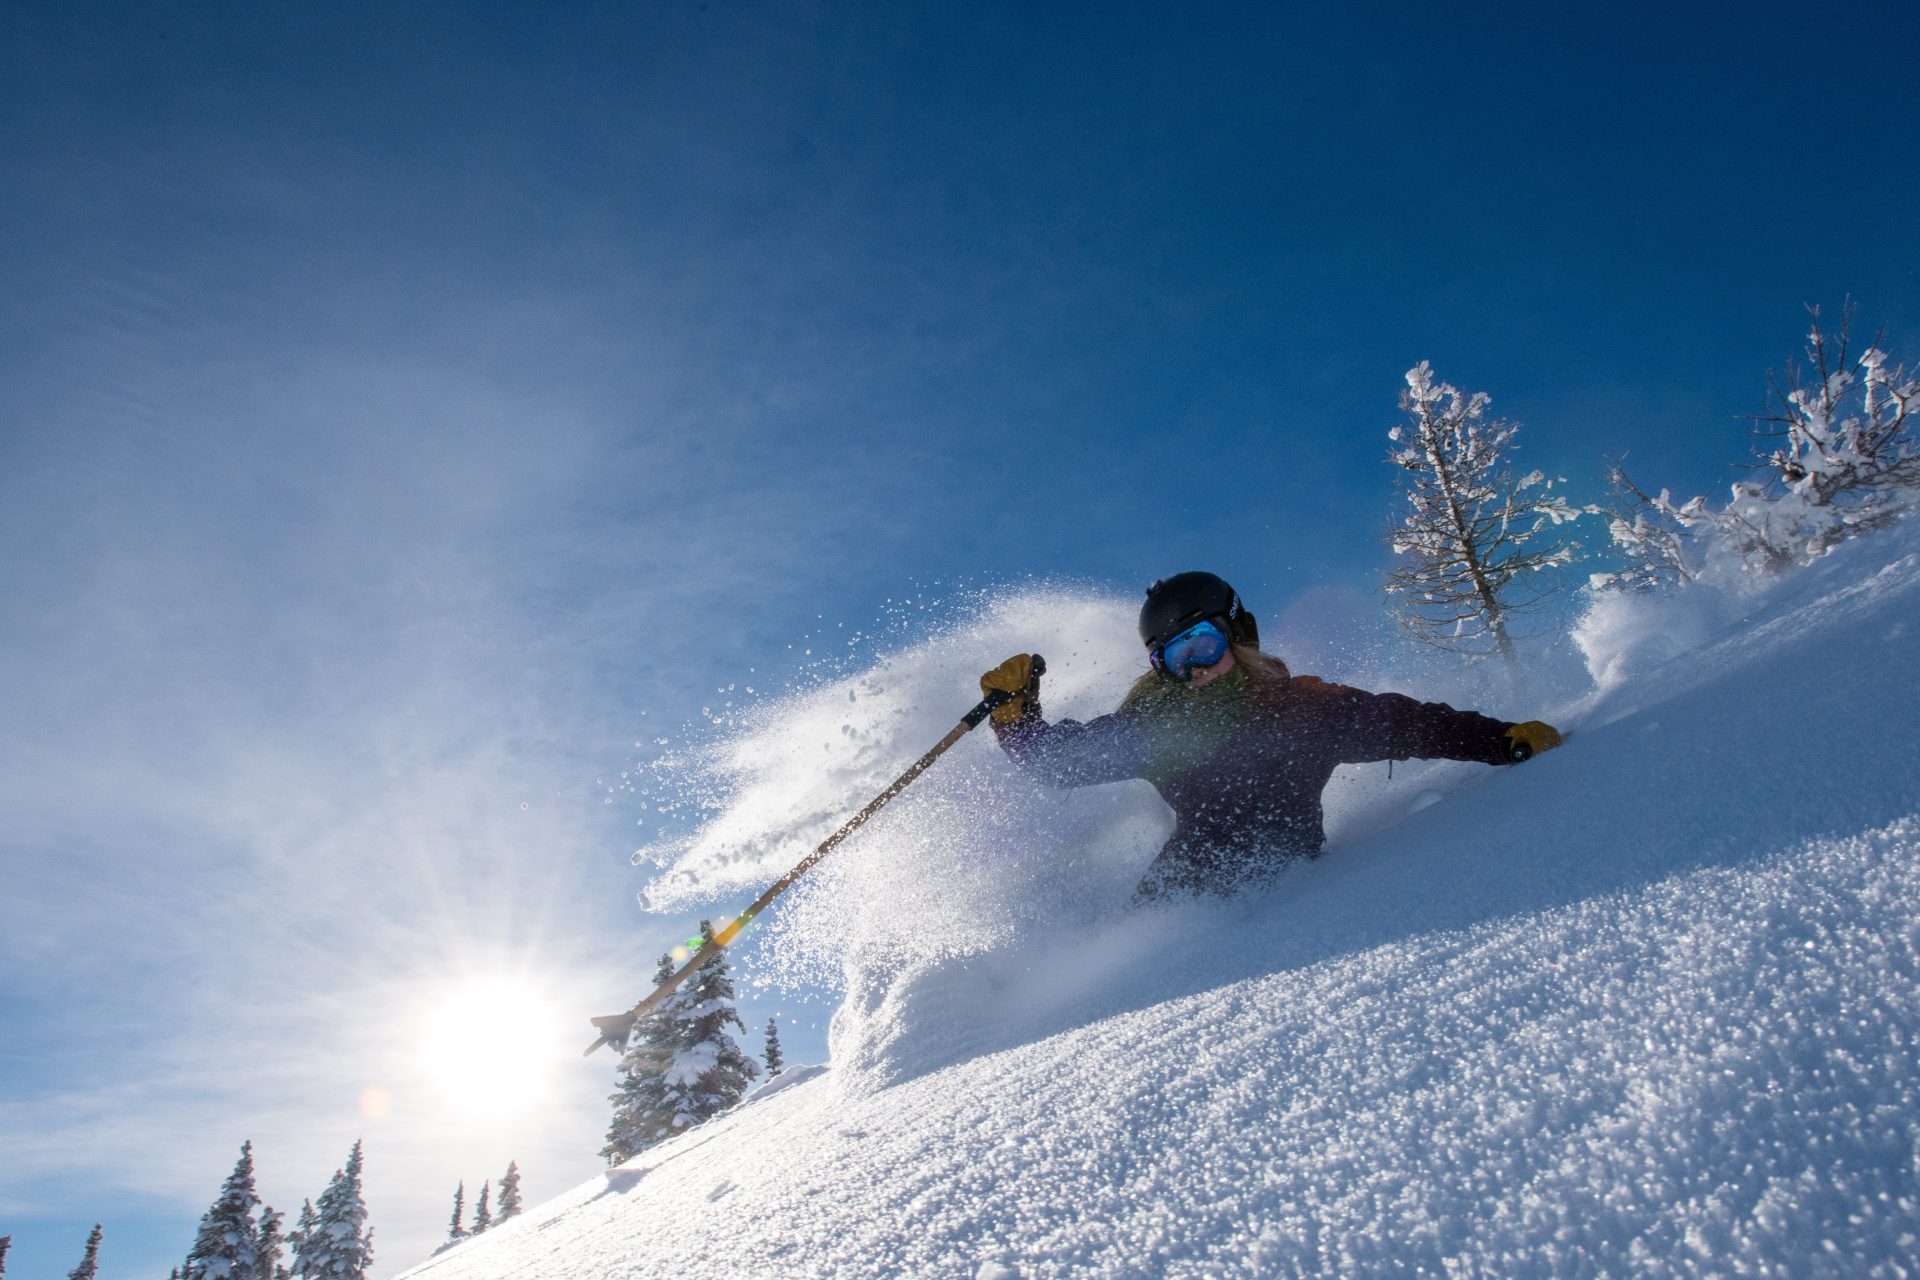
1723,617
972,855
975,867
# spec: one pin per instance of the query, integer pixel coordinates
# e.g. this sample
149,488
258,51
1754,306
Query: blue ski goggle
1200,645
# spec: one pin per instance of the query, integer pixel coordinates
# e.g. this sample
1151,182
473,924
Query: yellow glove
1017,676
1528,739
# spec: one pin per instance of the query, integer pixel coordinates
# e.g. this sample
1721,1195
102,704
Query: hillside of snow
1647,1005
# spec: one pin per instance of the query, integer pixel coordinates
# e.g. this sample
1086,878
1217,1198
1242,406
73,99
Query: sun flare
490,1046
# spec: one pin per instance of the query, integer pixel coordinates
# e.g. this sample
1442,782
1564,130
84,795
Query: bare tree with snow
1474,542
1847,462
1835,459
1652,535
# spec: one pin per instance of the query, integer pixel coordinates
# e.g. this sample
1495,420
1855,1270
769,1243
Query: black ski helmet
1176,603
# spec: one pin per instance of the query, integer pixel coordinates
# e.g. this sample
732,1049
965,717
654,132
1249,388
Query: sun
490,1045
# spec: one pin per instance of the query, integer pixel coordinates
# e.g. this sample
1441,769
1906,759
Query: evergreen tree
89,1267
455,1229
297,1242
510,1193
228,1244
772,1056
640,1107
272,1243
1472,533
708,1073
6,1243
339,1245
482,1216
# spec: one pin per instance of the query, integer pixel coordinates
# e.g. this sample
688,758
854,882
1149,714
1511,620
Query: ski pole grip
1001,697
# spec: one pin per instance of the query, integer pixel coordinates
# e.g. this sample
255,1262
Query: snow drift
1647,1005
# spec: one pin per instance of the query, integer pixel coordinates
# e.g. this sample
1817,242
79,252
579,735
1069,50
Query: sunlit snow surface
1649,1005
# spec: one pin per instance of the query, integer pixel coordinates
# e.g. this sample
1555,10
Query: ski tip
614,1028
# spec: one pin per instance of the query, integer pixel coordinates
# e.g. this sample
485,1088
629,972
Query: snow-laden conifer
1474,540
482,1215
642,1109
772,1055
682,1066
89,1268
456,1226
228,1244
297,1242
339,1245
509,1193
708,1073
272,1245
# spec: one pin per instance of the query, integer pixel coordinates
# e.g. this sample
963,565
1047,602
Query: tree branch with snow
1474,541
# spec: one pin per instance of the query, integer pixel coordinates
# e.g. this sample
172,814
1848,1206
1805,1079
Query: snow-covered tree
89,1268
228,1244
1652,535
339,1245
709,1073
1836,459
456,1226
272,1244
681,1066
771,1055
642,1111
1474,541
509,1193
1847,456
297,1242
482,1215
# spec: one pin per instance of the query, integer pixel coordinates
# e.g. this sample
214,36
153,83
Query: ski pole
614,1028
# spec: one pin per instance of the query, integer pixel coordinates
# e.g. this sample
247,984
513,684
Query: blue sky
406,412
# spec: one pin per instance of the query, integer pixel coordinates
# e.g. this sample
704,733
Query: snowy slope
1648,1005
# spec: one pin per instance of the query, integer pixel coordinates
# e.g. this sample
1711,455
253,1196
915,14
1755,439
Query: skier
1238,747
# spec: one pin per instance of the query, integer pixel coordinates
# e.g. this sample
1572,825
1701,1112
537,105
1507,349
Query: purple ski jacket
1242,762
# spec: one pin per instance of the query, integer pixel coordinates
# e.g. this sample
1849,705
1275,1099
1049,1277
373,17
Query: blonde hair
1261,668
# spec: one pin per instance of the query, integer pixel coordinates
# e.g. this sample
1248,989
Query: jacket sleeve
1392,726
1110,748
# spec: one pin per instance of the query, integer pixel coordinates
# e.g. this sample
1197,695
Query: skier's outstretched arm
1392,726
1068,754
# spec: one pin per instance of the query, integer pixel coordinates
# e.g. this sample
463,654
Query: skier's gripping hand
1528,739
1018,677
